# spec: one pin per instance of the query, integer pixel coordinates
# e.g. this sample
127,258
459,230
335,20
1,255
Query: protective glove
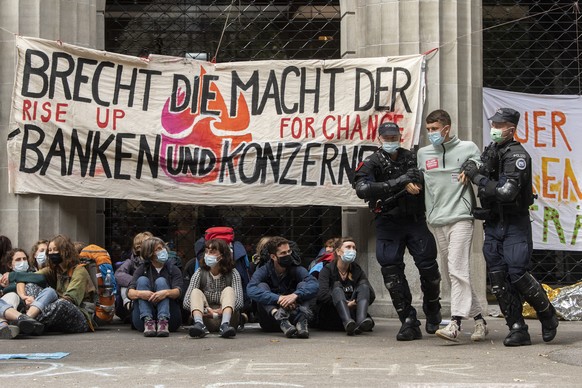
472,171
414,174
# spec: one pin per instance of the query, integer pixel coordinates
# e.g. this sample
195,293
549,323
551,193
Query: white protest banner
97,124
549,129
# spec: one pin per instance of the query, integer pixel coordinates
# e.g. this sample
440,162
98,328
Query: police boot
410,329
535,295
397,286
518,335
510,305
341,306
364,322
430,284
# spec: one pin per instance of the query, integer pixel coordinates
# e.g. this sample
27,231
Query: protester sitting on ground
18,323
260,251
19,271
39,254
124,274
215,294
73,310
283,290
155,289
344,292
325,256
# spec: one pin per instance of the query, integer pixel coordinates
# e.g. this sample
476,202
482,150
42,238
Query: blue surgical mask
41,258
21,266
349,256
436,138
210,260
390,146
162,256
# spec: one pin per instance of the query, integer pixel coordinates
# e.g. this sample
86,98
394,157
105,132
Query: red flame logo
190,130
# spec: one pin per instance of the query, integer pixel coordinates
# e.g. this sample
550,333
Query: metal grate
253,30
534,48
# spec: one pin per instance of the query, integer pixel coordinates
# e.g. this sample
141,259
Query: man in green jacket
448,203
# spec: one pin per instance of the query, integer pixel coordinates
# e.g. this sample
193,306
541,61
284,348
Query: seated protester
17,322
124,274
155,289
38,253
73,311
344,292
260,250
215,294
325,256
20,277
283,290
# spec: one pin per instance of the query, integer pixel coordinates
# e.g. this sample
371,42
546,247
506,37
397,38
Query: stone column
454,83
26,218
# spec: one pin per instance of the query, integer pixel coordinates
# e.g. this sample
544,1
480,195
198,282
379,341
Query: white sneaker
481,330
449,332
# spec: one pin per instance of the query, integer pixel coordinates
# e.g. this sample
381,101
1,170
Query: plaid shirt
214,289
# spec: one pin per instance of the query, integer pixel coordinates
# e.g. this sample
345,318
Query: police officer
391,184
505,189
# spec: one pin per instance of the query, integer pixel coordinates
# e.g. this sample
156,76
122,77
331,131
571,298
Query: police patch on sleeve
521,163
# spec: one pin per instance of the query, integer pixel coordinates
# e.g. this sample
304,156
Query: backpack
97,262
225,233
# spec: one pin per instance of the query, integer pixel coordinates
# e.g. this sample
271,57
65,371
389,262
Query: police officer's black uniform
505,191
400,224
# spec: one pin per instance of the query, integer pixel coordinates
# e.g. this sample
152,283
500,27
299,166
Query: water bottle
108,284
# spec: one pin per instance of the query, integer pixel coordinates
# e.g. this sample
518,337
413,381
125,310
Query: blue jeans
45,297
167,308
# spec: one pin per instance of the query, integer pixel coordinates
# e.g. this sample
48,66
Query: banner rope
223,30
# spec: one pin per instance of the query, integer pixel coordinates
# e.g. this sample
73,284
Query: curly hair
226,264
10,256
36,245
68,252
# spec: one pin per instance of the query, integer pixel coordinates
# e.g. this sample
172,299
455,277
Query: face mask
496,135
162,256
41,258
21,266
55,258
390,146
436,138
286,261
210,260
349,256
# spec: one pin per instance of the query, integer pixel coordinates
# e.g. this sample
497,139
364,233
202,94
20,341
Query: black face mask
286,261
55,258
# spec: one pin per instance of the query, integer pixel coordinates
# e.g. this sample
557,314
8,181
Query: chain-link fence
532,46
241,30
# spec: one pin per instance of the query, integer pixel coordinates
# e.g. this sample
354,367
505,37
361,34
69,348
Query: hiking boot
8,331
449,332
28,325
226,331
149,327
350,327
410,330
302,329
518,336
163,330
287,328
198,330
481,330
366,325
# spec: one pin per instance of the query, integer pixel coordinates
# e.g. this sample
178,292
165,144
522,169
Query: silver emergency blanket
568,302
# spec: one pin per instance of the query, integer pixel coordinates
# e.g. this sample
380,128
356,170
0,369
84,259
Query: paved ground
116,356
